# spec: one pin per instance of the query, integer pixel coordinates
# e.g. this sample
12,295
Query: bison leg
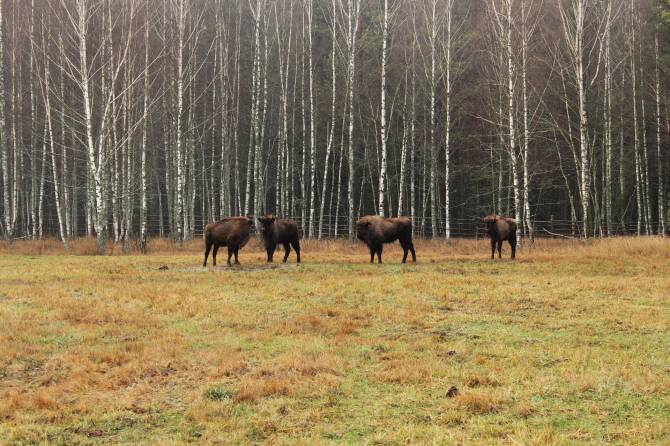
296,247
271,252
512,244
214,252
493,249
372,254
208,246
380,247
237,251
500,249
230,254
407,245
287,250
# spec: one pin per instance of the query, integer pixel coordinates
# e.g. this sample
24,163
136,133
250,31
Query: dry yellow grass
567,345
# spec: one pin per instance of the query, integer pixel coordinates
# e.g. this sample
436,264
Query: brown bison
500,229
374,231
232,232
279,231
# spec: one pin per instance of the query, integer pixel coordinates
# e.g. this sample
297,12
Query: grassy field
568,345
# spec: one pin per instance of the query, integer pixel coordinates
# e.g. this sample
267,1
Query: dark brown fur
375,231
500,229
280,231
232,232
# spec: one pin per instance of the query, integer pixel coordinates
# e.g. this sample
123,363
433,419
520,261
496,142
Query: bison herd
373,230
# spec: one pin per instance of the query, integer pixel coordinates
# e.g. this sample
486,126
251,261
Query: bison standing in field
500,229
375,230
280,231
232,232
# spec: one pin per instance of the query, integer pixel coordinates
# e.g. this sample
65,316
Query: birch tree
145,125
447,114
4,147
661,180
433,24
312,121
504,22
96,141
527,30
573,21
607,118
331,132
46,95
382,172
351,14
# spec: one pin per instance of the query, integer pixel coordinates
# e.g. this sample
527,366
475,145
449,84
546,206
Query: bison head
489,221
266,222
363,228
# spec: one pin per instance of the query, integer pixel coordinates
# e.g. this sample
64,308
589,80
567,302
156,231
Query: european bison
500,229
375,231
279,231
232,232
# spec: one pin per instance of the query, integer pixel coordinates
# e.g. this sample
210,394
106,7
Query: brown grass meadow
570,344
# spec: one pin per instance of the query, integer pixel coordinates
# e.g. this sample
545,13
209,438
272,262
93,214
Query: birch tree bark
145,125
4,147
447,116
16,157
607,111
505,25
573,29
644,155
312,123
433,24
331,132
97,146
96,161
382,173
661,180
33,130
352,15
636,138
46,93
527,30
181,216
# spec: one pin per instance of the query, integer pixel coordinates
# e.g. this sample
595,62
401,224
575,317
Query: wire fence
338,227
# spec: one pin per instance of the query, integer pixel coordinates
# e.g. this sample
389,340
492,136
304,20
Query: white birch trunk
382,173
646,197
636,137
143,154
33,130
181,216
4,147
525,37
95,160
54,169
510,113
433,29
353,14
312,124
447,123
661,180
608,122
403,152
331,133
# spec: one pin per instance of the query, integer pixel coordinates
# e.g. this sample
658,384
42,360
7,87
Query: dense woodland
126,118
